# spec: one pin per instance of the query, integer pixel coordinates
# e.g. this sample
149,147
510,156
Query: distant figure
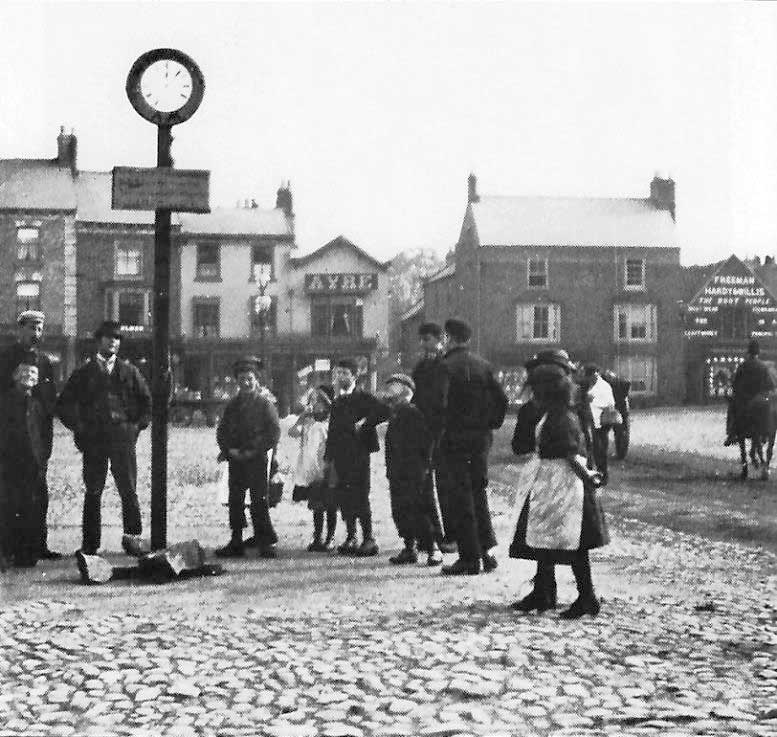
476,405
27,398
107,403
600,398
350,441
409,444
752,379
311,483
431,396
248,429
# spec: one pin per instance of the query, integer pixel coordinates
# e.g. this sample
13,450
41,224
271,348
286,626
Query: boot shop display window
336,317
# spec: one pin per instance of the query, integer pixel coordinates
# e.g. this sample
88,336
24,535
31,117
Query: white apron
555,495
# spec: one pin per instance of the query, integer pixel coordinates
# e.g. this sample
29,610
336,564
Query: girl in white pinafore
310,474
561,516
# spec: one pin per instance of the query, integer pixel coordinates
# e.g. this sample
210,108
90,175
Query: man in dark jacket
350,440
247,431
24,357
752,379
476,405
106,403
431,395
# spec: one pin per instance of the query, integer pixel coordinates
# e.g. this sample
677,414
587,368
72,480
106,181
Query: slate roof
238,221
571,221
36,184
93,190
340,241
445,272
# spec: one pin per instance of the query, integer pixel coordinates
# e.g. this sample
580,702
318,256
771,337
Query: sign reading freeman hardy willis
179,190
340,283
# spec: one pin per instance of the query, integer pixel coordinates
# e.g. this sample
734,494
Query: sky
377,113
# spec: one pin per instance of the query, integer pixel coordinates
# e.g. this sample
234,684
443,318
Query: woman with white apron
561,516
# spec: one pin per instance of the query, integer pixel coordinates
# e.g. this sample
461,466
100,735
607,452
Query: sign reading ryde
340,283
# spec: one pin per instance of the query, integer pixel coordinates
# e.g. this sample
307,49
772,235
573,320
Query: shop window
734,323
27,296
128,262
640,371
336,317
635,273
261,264
538,323
537,270
206,319
635,323
208,262
27,244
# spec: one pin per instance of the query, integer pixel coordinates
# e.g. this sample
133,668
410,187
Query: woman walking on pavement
561,516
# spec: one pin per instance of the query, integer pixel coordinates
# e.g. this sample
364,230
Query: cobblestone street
686,644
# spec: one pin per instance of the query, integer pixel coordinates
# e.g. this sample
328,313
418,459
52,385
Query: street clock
165,86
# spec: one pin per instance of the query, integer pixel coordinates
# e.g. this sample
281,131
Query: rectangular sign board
180,190
340,283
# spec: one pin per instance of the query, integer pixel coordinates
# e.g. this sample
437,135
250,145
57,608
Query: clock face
166,85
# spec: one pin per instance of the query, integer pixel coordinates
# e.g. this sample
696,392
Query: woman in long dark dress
561,516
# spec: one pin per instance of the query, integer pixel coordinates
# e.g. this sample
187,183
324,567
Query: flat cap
546,374
108,329
247,363
349,364
401,379
430,328
30,316
459,330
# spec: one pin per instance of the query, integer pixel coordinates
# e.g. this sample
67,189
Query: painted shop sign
340,283
732,295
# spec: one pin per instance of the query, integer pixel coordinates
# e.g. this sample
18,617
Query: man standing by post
476,405
431,394
107,403
26,373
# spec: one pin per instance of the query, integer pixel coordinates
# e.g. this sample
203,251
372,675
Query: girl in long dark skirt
561,516
310,474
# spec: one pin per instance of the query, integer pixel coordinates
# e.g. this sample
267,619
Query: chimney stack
472,189
662,194
67,150
283,200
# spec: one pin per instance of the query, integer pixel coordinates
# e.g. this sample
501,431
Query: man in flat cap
248,429
476,405
107,403
431,395
28,396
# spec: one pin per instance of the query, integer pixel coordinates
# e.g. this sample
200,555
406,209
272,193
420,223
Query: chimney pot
67,150
662,194
284,201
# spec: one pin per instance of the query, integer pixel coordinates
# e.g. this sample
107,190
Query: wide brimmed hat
552,357
108,329
247,363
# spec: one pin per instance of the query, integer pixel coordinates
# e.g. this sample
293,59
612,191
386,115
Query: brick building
725,305
38,207
600,277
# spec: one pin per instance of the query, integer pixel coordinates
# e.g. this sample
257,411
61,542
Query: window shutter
554,317
653,324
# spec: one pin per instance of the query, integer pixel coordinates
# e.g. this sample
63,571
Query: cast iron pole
160,365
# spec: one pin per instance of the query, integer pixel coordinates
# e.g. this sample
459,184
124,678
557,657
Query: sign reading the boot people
340,283
181,190
733,303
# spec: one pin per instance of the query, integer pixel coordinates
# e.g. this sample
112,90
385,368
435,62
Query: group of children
337,434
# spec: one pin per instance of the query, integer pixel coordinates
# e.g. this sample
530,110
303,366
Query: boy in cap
409,444
107,403
28,396
247,431
350,440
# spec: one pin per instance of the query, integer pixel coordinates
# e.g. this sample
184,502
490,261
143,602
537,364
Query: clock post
165,86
